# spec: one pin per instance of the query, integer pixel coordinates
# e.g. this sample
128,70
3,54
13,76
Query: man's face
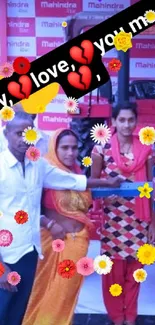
15,138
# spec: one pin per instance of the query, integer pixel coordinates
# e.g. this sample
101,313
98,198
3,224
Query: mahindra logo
58,4
105,5
18,4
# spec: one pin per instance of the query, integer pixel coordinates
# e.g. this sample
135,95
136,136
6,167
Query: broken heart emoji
82,56
21,89
82,79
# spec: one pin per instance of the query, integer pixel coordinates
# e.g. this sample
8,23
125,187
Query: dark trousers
13,304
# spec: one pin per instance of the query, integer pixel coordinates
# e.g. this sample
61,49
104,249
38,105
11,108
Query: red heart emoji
82,79
84,57
15,89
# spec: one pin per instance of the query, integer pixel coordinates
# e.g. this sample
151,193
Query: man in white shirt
21,183
42,143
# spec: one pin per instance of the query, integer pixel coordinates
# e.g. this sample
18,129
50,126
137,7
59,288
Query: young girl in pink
126,219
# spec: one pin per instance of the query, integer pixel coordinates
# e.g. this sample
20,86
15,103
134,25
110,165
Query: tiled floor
97,319
90,309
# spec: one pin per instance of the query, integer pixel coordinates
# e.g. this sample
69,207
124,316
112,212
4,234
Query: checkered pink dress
122,233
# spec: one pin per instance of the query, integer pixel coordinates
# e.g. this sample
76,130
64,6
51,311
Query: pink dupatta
138,167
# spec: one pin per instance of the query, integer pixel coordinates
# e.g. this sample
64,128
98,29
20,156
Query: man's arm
58,179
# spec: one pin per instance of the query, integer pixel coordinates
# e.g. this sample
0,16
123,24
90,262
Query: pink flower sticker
58,245
6,70
6,238
33,153
85,266
13,278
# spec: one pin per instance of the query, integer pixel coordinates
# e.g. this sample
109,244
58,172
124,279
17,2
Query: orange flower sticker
67,269
114,65
21,217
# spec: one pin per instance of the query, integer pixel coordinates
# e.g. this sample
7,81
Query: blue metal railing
126,190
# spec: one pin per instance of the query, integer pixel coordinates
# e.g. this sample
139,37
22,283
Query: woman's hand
110,199
151,233
57,232
115,182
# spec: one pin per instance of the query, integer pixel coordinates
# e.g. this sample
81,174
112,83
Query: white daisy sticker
103,264
31,135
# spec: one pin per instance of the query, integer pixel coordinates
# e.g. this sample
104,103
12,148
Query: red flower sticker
21,217
2,269
114,65
67,269
21,65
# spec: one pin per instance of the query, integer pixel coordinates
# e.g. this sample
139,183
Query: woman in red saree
54,298
126,219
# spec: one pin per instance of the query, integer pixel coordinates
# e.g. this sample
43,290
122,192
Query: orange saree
54,298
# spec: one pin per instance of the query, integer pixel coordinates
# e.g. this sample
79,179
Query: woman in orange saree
54,298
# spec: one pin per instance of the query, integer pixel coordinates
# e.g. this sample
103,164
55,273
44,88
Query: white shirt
24,193
42,143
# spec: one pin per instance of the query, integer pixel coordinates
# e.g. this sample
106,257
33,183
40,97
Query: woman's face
125,122
67,150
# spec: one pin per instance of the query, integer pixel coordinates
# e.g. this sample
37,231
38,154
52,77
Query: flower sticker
33,153
13,278
145,191
103,264
67,269
150,16
6,238
122,41
87,161
71,105
146,254
85,266
58,245
21,217
140,275
6,70
2,269
64,24
115,290
31,135
7,113
115,65
100,133
147,135
21,65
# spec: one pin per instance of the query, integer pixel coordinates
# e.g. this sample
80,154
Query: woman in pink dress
127,219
